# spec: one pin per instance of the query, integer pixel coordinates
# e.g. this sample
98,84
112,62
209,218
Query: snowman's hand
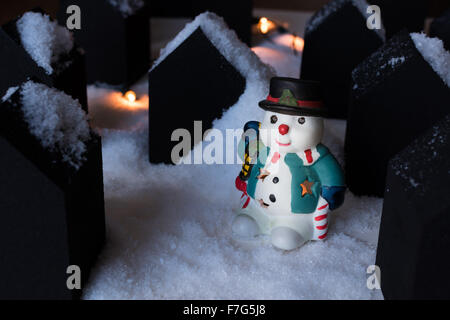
241,185
334,196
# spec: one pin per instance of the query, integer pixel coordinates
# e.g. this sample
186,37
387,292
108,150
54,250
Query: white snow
412,163
127,7
279,53
43,39
433,51
56,120
286,65
168,227
9,93
396,60
393,62
413,183
382,63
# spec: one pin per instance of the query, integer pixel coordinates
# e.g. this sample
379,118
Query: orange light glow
128,101
110,109
298,44
290,41
131,96
265,25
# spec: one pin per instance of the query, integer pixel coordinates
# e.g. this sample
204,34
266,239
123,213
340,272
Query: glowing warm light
265,25
128,101
131,96
290,41
113,110
298,43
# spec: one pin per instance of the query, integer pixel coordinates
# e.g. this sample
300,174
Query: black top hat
294,97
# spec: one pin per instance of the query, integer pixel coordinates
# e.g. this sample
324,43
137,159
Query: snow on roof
433,51
127,7
43,39
9,93
226,42
382,63
332,7
56,120
415,162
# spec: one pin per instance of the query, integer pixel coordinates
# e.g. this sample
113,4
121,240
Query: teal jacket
326,174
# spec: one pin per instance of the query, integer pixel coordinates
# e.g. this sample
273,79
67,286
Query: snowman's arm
331,177
334,196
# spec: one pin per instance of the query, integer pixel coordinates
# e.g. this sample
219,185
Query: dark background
10,9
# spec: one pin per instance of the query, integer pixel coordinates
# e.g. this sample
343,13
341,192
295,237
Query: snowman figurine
289,180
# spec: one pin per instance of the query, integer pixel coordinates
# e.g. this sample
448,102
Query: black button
275,180
272,198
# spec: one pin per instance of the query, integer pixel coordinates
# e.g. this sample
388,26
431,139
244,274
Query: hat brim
293,111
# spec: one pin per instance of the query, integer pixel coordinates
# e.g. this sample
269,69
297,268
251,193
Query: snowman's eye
301,120
274,119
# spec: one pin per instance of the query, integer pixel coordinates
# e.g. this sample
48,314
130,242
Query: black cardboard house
396,95
336,41
440,27
414,238
52,216
117,44
194,82
16,66
402,14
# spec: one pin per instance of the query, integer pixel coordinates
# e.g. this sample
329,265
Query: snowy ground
168,227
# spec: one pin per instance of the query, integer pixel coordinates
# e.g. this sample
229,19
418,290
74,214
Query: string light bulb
130,96
265,25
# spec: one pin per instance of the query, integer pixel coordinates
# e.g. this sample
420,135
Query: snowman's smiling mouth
263,204
283,144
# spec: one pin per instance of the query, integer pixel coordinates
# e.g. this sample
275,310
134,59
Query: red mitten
241,185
